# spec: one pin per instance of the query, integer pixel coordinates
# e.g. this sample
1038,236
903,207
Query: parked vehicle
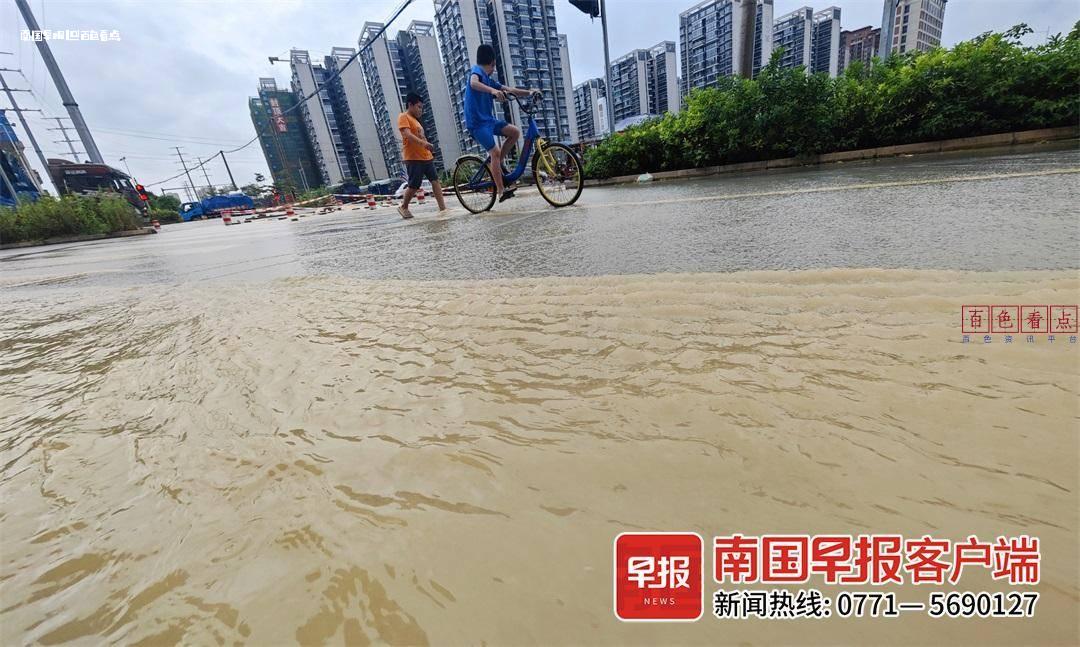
212,206
87,179
383,187
425,185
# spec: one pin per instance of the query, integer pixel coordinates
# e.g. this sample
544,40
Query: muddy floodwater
298,454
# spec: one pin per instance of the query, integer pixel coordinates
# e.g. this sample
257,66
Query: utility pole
747,15
608,103
61,86
594,8
181,156
234,187
26,129
205,175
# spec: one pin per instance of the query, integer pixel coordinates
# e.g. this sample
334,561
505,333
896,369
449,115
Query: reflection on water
336,460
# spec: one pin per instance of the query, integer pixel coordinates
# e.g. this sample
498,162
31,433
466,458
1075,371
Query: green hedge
990,84
67,216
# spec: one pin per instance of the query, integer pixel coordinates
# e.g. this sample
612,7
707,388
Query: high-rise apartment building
380,59
318,117
810,40
527,55
356,122
664,94
568,85
462,26
283,137
394,67
589,107
911,25
825,43
763,35
629,94
859,45
793,33
425,76
645,82
711,41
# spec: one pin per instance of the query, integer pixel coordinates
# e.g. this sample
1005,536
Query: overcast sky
183,70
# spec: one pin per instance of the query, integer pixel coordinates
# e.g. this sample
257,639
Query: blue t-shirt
479,106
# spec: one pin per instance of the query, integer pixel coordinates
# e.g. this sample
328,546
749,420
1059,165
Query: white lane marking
826,189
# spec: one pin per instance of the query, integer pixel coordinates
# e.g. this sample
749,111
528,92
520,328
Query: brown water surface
340,460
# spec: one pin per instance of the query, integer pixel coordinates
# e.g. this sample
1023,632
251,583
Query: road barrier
420,196
156,225
370,201
226,217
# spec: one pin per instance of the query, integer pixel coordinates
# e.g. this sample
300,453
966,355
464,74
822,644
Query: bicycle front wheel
558,174
473,184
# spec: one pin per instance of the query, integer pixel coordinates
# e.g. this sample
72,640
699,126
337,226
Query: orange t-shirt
410,149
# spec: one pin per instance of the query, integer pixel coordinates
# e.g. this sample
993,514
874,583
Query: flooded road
966,213
262,449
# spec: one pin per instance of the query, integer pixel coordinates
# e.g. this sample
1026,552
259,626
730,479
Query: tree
989,84
164,202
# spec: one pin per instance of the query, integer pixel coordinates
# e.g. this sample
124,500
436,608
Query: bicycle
556,169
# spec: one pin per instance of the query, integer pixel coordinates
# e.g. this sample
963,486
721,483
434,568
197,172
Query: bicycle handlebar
527,106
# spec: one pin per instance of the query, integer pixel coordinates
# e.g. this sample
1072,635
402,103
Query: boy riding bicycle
480,93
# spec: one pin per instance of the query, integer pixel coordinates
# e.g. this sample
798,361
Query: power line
66,140
189,140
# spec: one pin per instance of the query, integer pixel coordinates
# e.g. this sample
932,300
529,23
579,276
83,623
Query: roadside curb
60,240
982,142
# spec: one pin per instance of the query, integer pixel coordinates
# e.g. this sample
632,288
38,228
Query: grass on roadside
50,217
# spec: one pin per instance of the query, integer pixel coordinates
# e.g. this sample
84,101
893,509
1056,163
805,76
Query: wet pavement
992,212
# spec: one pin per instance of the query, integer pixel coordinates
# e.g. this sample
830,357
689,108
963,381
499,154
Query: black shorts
418,170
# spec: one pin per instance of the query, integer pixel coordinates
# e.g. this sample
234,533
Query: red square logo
1034,319
1005,319
1063,319
658,576
975,319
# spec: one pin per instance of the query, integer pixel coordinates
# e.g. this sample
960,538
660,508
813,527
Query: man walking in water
417,154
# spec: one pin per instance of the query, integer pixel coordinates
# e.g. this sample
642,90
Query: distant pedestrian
417,153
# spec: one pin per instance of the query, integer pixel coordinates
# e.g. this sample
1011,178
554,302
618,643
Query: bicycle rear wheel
473,184
558,174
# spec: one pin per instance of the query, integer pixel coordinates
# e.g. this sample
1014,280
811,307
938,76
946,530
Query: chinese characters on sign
279,118
1019,320
658,576
70,34
870,559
